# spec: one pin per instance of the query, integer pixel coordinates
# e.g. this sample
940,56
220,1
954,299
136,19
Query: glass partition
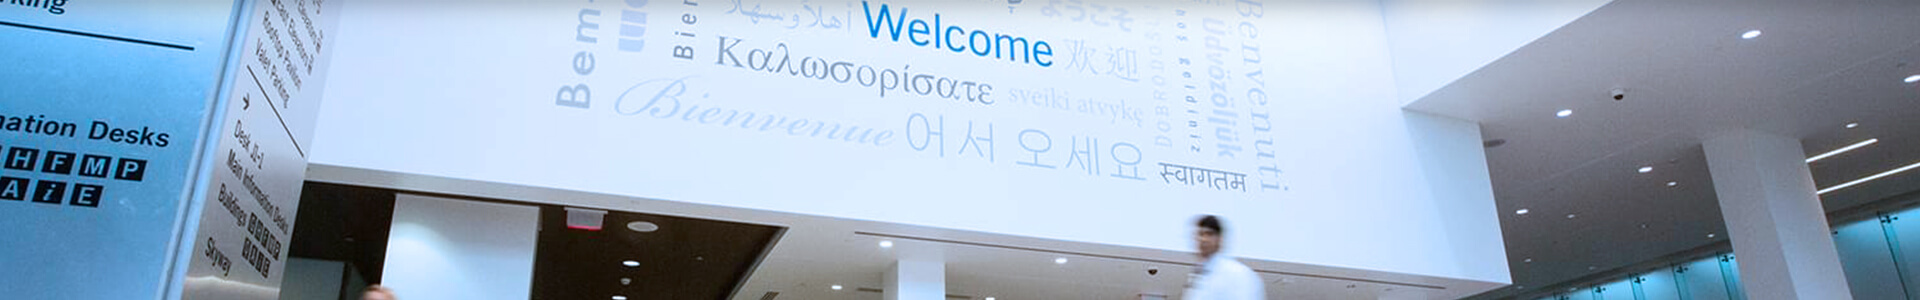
1902,232
1617,290
1868,261
1877,253
1656,286
1710,278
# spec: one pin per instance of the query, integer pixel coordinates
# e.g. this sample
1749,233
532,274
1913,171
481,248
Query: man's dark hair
1211,222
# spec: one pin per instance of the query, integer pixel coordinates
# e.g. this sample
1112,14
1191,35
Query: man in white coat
1220,276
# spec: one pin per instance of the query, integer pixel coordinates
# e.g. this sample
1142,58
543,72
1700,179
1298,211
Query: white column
916,279
1779,229
452,249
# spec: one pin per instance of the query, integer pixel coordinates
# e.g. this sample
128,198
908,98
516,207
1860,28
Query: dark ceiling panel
344,223
684,259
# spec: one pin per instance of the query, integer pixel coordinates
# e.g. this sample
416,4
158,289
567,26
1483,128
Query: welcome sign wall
1095,121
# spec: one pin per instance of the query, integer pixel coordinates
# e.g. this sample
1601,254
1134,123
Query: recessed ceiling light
1750,34
1521,211
1646,169
1570,216
1868,178
1060,261
1912,79
1853,125
1563,113
989,298
1673,183
1842,150
1529,260
1710,235
630,263
643,226
837,287
1590,268
886,244
619,297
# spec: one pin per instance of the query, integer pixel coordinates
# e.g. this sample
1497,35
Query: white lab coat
1224,278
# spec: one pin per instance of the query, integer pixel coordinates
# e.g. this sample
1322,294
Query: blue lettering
671,92
873,26
979,36
1041,53
797,127
949,34
1002,44
664,102
981,42
706,116
915,30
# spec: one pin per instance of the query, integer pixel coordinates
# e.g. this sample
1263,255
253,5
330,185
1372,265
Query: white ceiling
1689,76
824,252
818,252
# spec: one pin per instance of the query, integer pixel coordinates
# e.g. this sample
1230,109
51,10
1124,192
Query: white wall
457,249
469,92
1437,42
1377,188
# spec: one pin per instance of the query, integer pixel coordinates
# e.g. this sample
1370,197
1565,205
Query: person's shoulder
1246,277
1236,266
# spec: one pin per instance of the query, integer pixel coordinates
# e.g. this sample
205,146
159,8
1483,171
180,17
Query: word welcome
980,43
